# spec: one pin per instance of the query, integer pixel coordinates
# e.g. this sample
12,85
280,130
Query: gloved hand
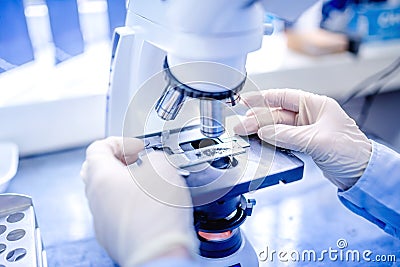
309,123
131,220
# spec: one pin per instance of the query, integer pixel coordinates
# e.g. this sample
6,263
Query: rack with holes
20,241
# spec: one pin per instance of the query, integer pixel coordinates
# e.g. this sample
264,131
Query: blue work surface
294,220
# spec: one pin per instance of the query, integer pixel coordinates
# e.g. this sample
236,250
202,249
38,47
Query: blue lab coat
375,196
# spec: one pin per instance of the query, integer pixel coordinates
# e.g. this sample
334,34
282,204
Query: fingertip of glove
246,126
133,143
83,171
239,129
266,133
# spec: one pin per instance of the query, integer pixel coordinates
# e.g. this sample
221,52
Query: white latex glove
131,225
309,123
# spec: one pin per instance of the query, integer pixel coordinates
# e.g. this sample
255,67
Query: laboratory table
295,218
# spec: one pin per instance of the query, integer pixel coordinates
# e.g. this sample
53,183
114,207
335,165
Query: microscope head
214,92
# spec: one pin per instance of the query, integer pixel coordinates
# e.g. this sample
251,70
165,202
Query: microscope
177,69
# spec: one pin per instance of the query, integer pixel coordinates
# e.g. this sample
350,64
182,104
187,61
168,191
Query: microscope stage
224,167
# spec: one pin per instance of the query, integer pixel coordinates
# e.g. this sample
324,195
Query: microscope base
245,256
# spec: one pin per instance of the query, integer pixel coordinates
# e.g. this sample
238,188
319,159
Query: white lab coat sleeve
376,195
171,262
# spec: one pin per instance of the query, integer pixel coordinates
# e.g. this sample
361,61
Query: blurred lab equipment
15,45
199,49
371,20
21,241
65,50
337,26
65,28
116,14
